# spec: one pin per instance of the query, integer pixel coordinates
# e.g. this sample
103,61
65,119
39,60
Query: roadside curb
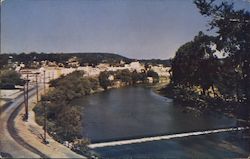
18,139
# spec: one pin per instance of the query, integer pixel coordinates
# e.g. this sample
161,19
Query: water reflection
138,112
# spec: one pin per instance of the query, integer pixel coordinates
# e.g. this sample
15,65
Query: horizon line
87,53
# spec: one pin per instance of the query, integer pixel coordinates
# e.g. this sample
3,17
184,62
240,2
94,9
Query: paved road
10,143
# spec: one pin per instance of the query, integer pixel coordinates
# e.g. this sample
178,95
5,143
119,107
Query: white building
162,71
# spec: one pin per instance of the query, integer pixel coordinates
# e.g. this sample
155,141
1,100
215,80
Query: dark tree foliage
63,116
153,74
195,63
233,36
84,58
69,123
10,78
138,77
104,79
74,85
91,59
3,60
153,62
124,75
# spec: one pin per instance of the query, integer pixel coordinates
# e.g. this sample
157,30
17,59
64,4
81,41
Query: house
111,77
150,79
73,62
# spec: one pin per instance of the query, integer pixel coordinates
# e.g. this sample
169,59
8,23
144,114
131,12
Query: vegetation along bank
63,118
213,72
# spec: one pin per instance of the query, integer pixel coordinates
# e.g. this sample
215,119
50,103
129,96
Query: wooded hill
84,58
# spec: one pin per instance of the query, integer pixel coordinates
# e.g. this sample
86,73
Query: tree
233,35
3,60
153,74
72,86
69,123
64,119
124,76
138,77
10,78
103,79
195,63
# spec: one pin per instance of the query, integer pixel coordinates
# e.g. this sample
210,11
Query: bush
154,75
64,120
10,78
124,76
103,79
69,123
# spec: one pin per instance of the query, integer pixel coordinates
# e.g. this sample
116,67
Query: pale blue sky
133,28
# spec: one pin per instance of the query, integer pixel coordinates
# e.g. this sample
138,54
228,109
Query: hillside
84,58
166,62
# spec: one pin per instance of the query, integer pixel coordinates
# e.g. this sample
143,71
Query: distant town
55,69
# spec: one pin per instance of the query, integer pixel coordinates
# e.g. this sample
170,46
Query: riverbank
65,126
201,104
146,114
63,116
204,104
63,119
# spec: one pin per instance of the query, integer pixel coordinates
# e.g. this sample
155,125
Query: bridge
164,137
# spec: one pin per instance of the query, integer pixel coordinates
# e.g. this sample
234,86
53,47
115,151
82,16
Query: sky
132,28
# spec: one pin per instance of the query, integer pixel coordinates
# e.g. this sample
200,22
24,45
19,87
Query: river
135,112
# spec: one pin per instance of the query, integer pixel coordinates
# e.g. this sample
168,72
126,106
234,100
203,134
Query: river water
135,112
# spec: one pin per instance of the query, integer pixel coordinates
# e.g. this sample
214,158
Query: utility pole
44,109
44,87
24,96
37,95
27,98
44,122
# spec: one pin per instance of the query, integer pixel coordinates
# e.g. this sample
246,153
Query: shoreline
78,145
221,109
156,88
